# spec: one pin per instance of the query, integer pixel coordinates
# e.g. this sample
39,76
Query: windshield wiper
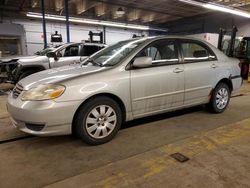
93,62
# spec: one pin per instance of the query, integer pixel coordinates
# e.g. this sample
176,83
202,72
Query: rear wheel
98,121
220,98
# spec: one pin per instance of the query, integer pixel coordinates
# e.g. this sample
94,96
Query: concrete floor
217,145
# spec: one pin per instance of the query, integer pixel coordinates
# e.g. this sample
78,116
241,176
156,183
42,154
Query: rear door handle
214,66
178,70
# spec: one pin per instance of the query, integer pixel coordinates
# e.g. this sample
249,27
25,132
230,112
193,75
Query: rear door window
195,52
88,50
69,51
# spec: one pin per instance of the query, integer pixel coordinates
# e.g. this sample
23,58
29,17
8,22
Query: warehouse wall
16,31
210,23
34,33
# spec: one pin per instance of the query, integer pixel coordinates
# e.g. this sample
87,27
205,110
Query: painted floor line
153,162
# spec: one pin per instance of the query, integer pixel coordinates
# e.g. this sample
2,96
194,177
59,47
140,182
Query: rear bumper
42,118
236,82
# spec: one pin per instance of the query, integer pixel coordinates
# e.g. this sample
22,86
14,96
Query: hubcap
101,121
222,98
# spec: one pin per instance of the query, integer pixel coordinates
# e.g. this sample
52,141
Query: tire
26,73
98,121
220,98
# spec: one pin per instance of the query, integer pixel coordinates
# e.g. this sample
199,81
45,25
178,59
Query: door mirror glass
141,62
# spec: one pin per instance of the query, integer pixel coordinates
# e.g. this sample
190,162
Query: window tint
71,51
68,51
193,52
89,50
162,52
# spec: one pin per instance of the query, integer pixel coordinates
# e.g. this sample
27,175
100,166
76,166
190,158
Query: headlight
43,92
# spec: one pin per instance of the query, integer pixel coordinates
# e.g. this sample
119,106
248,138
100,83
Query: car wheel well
32,69
112,96
226,81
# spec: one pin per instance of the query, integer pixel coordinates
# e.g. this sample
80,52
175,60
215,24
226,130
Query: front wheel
220,98
98,121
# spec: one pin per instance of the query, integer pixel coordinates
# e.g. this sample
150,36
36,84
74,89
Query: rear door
88,50
159,87
200,64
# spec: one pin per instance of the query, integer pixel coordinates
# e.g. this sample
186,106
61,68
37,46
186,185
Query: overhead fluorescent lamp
218,8
191,2
227,10
92,22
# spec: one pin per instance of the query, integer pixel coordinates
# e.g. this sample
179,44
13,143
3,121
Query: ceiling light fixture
93,22
217,7
227,10
120,12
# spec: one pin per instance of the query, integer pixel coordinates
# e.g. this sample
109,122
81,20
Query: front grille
17,90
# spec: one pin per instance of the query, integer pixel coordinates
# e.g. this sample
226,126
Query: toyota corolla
126,81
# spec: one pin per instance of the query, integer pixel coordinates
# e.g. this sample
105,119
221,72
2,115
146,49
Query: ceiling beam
135,7
21,5
84,5
101,9
59,5
34,3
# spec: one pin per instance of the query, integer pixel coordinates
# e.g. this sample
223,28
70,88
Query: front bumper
52,118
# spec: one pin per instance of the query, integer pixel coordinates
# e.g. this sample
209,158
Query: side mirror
142,62
53,55
37,53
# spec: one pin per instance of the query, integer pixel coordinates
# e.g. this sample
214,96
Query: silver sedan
126,81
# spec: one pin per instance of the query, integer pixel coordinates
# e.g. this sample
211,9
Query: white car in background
17,68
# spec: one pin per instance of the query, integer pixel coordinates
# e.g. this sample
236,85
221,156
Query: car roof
79,43
85,43
170,37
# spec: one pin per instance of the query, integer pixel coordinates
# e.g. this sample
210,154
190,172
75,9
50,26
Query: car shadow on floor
162,116
138,122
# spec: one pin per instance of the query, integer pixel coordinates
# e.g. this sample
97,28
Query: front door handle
214,66
178,70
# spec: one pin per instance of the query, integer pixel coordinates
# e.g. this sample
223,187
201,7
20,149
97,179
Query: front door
159,87
66,56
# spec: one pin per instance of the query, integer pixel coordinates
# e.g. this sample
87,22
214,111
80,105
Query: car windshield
114,54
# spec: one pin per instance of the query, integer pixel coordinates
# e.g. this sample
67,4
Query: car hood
15,58
33,59
57,75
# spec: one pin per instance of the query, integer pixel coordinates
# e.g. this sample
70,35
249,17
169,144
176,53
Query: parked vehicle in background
126,81
231,45
17,68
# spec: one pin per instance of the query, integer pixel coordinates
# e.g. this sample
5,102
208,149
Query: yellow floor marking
190,147
132,171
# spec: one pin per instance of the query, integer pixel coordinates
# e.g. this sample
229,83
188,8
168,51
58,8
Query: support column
104,34
66,6
44,25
